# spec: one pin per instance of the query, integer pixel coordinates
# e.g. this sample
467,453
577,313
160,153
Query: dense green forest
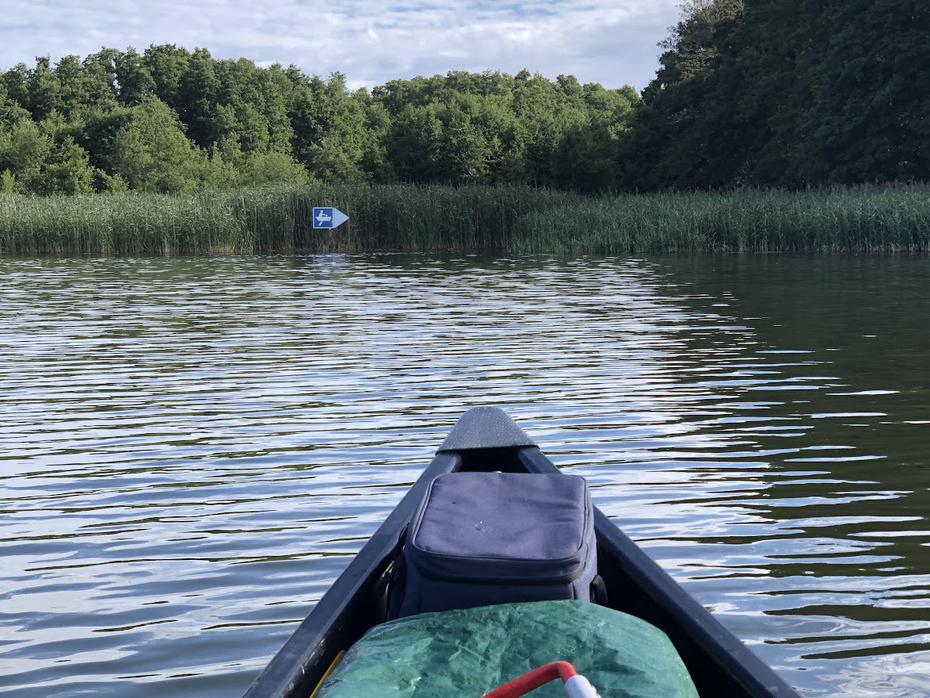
789,93
792,93
168,120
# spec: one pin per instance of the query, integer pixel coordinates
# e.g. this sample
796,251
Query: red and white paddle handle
576,685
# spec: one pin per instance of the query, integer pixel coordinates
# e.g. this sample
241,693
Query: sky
612,42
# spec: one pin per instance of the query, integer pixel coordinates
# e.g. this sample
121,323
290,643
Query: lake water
191,450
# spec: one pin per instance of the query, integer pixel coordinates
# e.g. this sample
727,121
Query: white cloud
612,42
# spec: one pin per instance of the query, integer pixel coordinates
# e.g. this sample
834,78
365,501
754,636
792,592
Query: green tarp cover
466,653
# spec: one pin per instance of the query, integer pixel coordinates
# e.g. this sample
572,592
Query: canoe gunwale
696,634
333,623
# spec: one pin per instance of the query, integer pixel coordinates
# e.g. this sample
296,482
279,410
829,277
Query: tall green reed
850,219
508,219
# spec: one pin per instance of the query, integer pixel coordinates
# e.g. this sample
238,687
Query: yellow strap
329,671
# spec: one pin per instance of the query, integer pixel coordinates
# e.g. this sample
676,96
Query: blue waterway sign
327,217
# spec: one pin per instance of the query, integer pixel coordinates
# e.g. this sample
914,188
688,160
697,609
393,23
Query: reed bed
272,219
506,219
119,224
835,220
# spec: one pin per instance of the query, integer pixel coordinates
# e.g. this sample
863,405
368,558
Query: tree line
790,93
171,120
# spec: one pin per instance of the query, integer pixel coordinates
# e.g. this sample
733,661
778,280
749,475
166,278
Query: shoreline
469,219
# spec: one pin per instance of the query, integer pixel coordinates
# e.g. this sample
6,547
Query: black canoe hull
485,439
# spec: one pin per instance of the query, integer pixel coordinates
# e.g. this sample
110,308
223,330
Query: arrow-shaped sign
327,217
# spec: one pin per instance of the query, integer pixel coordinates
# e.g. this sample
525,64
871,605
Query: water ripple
193,449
